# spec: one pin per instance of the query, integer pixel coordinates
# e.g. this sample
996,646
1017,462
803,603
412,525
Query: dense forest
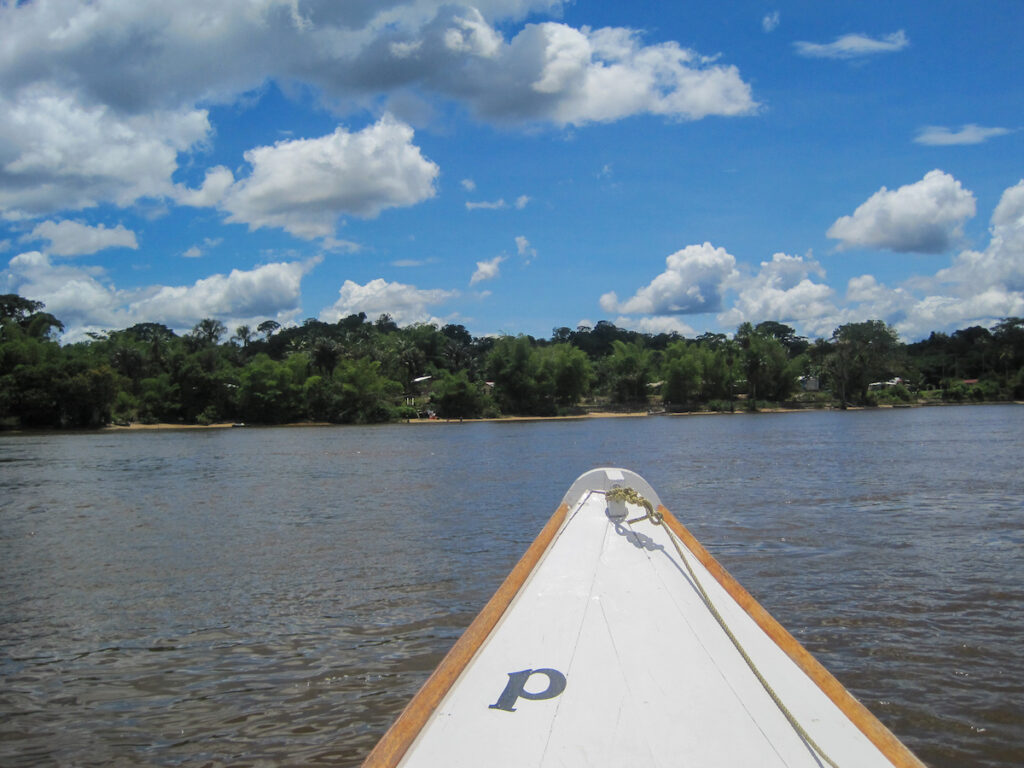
362,371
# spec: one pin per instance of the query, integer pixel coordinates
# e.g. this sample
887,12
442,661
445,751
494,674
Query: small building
877,385
809,383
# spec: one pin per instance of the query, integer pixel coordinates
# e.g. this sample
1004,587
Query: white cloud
487,270
655,325
260,292
854,46
195,251
692,283
522,201
784,289
101,99
406,304
527,251
468,184
1000,266
924,217
494,205
770,22
59,154
305,185
471,34
77,296
584,76
547,72
978,288
215,185
940,136
84,299
73,238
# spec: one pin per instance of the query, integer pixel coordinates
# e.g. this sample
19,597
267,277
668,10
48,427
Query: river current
274,596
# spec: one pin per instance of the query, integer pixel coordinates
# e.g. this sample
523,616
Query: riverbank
574,417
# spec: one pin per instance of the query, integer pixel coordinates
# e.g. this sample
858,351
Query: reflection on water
275,596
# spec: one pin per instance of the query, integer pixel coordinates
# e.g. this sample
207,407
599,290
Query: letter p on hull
515,689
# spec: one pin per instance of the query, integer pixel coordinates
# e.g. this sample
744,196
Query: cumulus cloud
99,100
924,217
127,75
940,136
406,304
74,238
79,296
770,22
576,76
487,270
978,288
1000,267
84,299
784,289
655,325
262,292
215,185
303,186
527,251
57,153
692,283
854,46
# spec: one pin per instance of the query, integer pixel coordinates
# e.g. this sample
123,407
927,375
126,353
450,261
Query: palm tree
243,334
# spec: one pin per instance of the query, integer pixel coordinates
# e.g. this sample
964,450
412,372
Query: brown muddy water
275,596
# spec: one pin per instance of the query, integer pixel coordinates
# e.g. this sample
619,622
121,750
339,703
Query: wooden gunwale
859,715
400,736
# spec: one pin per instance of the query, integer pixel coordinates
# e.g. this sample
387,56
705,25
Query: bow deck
605,650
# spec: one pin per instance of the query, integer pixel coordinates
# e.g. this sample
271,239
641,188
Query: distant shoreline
578,417
166,426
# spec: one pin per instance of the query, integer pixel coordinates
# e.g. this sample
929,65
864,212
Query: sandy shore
227,425
579,417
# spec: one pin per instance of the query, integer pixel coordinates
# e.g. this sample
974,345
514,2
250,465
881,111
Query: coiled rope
631,496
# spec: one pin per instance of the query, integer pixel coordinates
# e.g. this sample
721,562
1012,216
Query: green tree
566,373
243,335
18,308
367,396
771,375
207,332
325,355
862,353
682,372
785,335
456,397
268,328
515,371
270,392
629,368
159,400
320,396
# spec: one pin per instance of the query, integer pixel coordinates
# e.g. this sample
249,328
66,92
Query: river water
275,596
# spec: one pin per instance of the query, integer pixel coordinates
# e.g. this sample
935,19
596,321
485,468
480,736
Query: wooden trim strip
861,716
400,736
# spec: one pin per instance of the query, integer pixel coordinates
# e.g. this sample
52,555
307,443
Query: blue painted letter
516,688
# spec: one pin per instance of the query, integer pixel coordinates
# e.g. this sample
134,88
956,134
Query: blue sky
514,165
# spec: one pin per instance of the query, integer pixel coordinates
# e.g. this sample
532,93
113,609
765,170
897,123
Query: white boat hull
607,654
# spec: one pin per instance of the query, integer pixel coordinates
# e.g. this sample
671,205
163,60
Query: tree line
359,370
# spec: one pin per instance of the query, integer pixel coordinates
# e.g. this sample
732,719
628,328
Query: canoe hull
601,650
